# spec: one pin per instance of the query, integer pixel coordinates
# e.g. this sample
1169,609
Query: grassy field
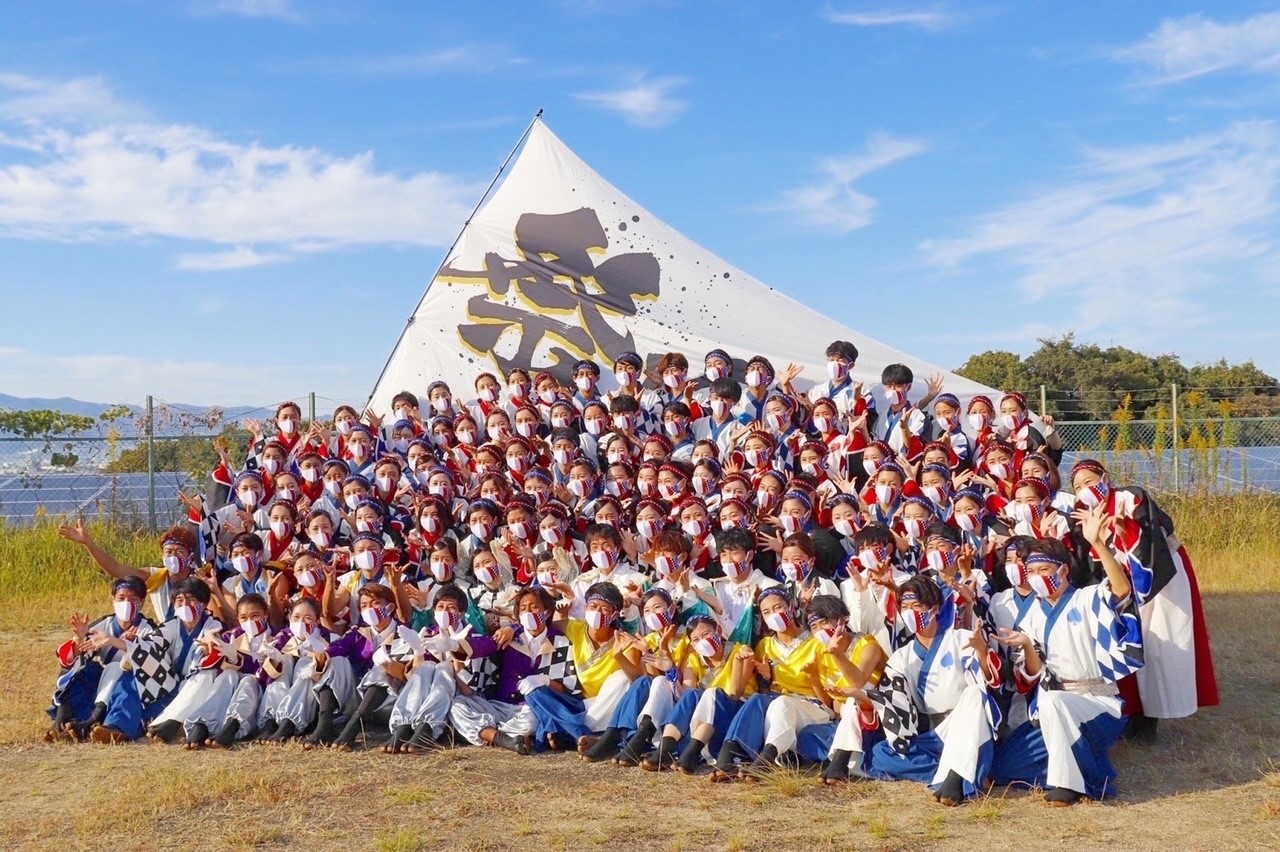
1213,782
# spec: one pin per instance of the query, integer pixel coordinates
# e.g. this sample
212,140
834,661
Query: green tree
997,369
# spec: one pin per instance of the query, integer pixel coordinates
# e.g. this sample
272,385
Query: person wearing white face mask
178,551
736,591
721,421
290,698
946,672
177,657
604,661
874,574
671,555
368,563
787,660
840,388
759,381
717,367
279,539
1073,647
530,653
672,374
609,565
903,425
651,695
229,710
246,558
375,653
92,662
482,525
586,380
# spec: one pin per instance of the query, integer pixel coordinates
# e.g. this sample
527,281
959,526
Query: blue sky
240,201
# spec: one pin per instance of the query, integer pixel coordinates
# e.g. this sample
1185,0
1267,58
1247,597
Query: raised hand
76,533
79,625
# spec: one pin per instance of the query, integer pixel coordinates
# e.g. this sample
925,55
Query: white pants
192,695
1061,715
471,714
963,733
662,697
600,708
425,698
786,716
849,738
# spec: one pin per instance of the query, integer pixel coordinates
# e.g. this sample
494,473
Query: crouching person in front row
934,702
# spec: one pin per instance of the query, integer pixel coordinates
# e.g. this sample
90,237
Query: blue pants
747,727
558,713
920,763
78,692
1021,757
626,717
726,709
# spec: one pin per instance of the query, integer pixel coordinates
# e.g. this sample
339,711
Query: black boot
268,731
226,738
662,758
637,744
165,732
399,737
726,767
605,747
422,739
838,767
951,791
1141,730
197,735
691,757
765,761
283,732
1061,797
372,699
323,733
520,745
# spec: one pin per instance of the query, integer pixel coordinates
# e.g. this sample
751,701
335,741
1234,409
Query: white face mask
489,394
735,570
845,527
822,424
595,426
366,560
715,373
895,396
656,621
352,500
914,528
547,579
648,528
125,611
344,427
551,535
320,539
466,436
595,619
999,470
249,499
561,455
789,569
720,407
885,494
837,370
755,378
1016,572
868,559
623,377
531,622
673,380
280,528
604,559
706,647
584,383
1047,585
517,391
547,396
525,429
287,426
441,404
371,616
967,521
936,494
577,487
358,450
485,574
252,627
271,466
306,579
778,622
1007,423
791,524
756,458
299,628
245,565
286,494
777,422
311,474
173,564
870,466
519,529
665,566
333,488
978,421
622,422
186,613
480,530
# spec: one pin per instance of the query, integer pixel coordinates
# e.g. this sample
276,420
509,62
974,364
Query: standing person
178,561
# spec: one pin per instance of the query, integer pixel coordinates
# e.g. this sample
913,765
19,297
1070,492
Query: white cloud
112,377
283,10
833,201
102,175
1190,47
464,58
648,103
928,19
240,257
1137,239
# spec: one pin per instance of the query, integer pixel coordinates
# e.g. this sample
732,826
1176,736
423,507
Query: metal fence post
311,404
151,464
1176,437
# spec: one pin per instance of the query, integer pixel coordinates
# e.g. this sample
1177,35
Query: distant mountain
68,405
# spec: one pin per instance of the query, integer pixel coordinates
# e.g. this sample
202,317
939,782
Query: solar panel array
123,497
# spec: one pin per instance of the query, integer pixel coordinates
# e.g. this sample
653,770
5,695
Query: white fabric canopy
559,265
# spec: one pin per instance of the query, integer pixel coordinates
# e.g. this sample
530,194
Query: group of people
712,573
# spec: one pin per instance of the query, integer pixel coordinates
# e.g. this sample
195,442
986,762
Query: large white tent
558,264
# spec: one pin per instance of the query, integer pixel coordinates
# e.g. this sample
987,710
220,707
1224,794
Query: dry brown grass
1212,783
